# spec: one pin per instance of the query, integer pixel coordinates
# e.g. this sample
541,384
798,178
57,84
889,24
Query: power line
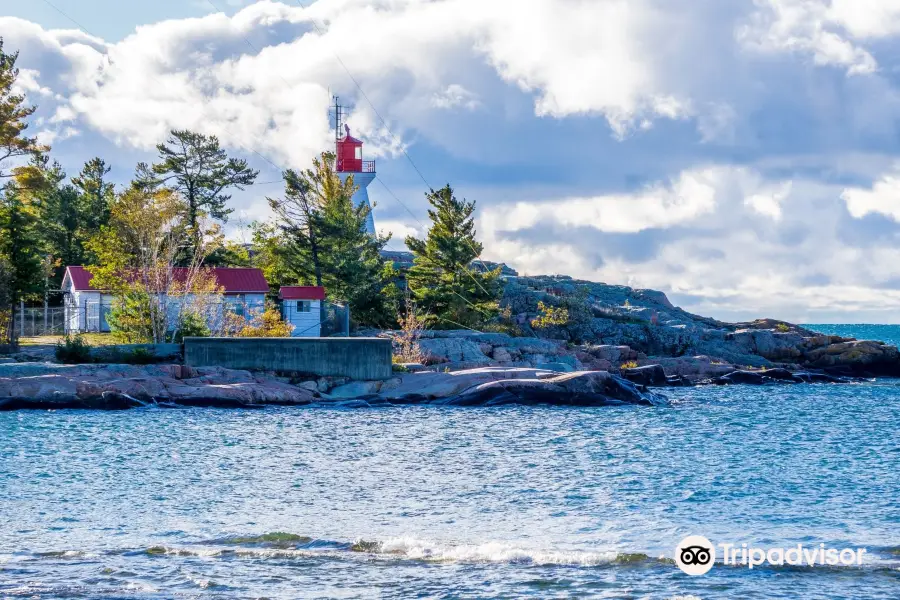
371,104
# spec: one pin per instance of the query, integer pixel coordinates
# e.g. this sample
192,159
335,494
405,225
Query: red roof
302,292
232,280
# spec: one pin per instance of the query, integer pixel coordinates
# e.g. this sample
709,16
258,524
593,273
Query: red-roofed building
245,290
301,306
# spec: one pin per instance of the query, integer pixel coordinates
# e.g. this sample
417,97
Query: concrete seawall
357,358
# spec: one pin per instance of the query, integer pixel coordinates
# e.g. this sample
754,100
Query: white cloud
687,198
882,198
866,18
805,26
515,96
575,56
455,95
581,57
730,255
768,202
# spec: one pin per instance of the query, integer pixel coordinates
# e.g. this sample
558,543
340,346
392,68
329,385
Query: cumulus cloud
716,150
829,30
733,258
882,198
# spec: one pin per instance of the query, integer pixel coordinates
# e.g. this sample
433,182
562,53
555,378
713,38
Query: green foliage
140,356
230,254
14,144
505,323
782,327
129,318
442,279
550,316
272,252
73,350
196,166
323,241
96,196
20,242
191,324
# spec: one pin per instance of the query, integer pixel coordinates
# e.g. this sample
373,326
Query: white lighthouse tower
348,161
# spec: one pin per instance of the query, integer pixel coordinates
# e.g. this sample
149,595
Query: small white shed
301,306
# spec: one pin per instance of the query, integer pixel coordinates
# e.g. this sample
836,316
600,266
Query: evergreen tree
97,195
19,255
442,279
195,166
62,226
14,143
270,251
326,242
20,242
354,266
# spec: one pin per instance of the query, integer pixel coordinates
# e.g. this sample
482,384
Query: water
886,333
453,502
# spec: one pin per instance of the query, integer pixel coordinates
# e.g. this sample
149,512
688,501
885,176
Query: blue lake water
406,502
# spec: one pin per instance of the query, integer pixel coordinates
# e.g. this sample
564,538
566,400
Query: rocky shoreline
48,386
618,343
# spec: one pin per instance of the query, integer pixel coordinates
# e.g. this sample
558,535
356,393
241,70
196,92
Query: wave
282,545
286,545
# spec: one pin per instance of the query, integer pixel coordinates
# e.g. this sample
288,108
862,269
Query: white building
86,307
301,306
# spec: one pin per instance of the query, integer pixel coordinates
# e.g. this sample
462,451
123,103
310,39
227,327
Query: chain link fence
40,321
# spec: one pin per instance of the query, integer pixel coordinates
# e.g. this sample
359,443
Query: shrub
191,324
267,323
631,364
550,316
505,323
140,356
129,318
782,327
73,350
406,344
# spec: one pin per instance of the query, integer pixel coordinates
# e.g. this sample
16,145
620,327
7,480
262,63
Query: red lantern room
349,153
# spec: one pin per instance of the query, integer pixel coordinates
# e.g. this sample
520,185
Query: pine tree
13,114
19,255
442,279
195,166
97,195
20,242
327,242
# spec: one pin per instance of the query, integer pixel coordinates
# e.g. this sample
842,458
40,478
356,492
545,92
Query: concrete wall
357,358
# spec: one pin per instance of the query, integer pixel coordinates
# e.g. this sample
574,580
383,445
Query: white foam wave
491,552
415,549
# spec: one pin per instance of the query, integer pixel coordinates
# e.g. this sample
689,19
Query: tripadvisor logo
695,555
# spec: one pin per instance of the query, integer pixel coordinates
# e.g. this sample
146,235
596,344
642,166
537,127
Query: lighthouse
349,162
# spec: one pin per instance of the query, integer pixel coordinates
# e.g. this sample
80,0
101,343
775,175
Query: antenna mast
338,121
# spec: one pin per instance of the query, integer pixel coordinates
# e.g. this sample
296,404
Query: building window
304,306
357,153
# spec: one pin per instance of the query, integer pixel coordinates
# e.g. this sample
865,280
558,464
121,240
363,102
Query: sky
742,156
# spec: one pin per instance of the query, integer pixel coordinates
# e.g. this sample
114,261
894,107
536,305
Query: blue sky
740,155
